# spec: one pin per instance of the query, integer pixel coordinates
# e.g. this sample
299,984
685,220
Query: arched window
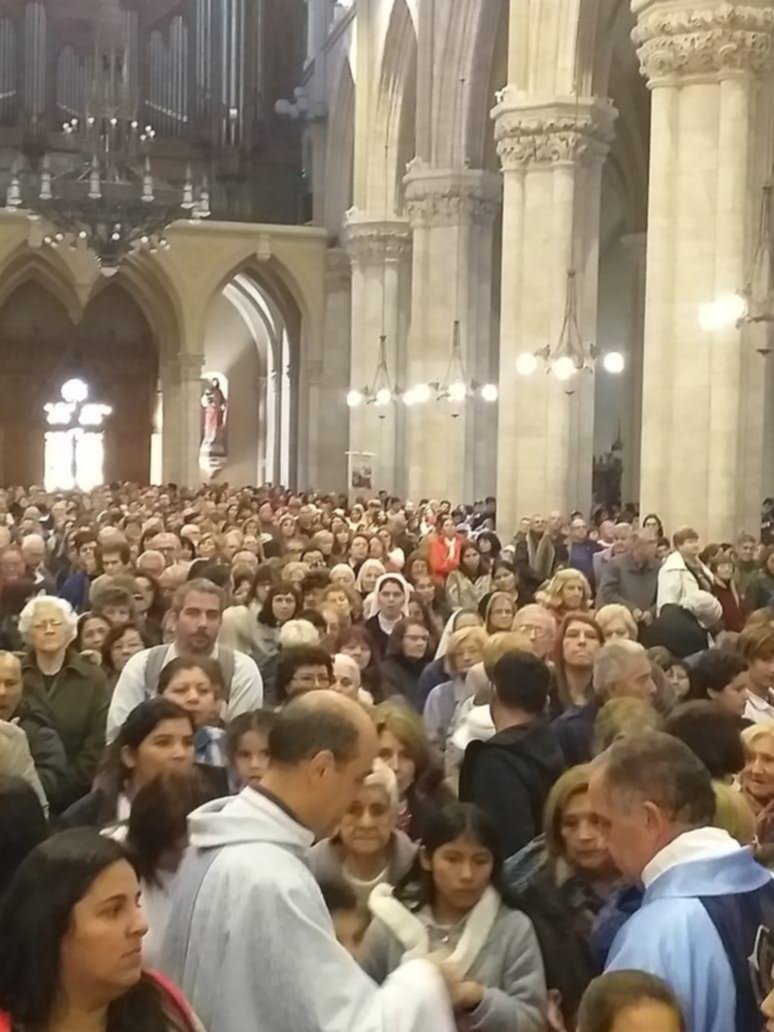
75,445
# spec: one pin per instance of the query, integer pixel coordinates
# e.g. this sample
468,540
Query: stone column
380,252
170,443
332,445
190,419
452,447
709,69
635,248
552,155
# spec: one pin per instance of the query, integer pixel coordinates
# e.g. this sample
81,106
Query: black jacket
574,731
399,676
47,752
677,630
510,776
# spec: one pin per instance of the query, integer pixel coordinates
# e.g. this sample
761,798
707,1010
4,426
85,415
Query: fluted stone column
190,419
170,441
452,448
709,68
332,432
635,248
380,252
552,156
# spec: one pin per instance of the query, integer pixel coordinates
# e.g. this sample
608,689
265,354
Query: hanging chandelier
98,190
455,387
754,303
571,354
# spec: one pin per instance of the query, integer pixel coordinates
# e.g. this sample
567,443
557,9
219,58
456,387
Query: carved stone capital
373,241
730,39
338,270
449,197
565,131
191,368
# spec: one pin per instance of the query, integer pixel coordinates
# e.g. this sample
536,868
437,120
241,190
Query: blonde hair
623,716
497,645
551,595
467,636
571,783
750,735
609,614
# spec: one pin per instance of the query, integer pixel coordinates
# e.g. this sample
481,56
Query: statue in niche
214,452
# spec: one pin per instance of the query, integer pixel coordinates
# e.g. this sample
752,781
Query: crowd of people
280,761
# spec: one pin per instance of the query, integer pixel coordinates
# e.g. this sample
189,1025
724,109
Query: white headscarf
371,605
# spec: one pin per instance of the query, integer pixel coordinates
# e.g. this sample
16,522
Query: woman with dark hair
148,606
92,630
451,903
489,545
71,932
470,581
653,523
623,1000
506,578
579,639
22,825
255,631
118,648
408,653
156,838
157,735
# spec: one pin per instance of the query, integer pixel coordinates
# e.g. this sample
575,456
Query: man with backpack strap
707,901
198,608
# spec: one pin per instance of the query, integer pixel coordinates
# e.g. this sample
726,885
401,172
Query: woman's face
471,560
484,546
376,548
49,629
368,824
287,527
419,568
461,871
504,579
241,594
194,691
341,536
580,645
447,527
250,544
94,632
758,773
616,630
415,641
128,645
207,548
573,596
283,607
678,678
651,523
725,571
359,651
425,588
583,839
733,698
101,951
394,753
169,746
341,577
251,757
340,601
467,655
501,614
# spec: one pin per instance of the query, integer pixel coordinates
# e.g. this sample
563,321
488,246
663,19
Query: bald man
30,741
250,940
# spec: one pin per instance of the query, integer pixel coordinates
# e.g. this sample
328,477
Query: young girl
196,684
247,747
450,903
627,1001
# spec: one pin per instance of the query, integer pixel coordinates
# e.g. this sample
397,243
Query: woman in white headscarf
390,602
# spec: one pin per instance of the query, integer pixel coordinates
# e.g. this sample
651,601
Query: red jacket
441,562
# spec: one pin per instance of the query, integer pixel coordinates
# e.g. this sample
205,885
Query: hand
647,618
638,615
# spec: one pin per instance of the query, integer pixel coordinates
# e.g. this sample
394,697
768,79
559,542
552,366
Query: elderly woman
368,849
567,592
757,783
466,648
563,878
72,692
347,679
616,622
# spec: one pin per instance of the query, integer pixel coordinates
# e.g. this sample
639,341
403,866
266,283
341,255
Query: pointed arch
393,138
47,270
340,157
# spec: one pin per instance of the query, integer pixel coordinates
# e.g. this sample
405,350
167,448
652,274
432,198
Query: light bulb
526,364
563,368
408,398
489,392
731,308
422,393
75,391
614,362
383,396
457,391
354,398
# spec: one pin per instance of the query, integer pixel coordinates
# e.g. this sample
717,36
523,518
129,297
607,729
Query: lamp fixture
455,386
381,391
754,303
571,354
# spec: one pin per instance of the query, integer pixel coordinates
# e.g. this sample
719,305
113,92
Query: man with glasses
302,669
539,626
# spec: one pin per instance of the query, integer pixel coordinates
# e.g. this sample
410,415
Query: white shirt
246,692
699,844
758,710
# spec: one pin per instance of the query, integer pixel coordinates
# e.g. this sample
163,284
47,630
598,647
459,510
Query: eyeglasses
307,680
532,630
417,637
45,625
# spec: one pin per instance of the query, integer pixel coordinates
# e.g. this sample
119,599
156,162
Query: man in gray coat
631,579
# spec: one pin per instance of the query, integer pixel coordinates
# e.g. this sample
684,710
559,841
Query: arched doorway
111,350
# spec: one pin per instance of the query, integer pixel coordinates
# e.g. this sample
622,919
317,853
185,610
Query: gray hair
298,632
27,617
611,663
383,777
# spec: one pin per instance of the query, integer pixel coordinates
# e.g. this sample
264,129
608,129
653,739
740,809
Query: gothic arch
393,142
46,269
339,163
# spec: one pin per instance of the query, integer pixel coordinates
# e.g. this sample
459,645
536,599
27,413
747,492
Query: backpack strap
227,662
174,996
153,667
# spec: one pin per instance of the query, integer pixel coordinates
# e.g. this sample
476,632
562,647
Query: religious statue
213,451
